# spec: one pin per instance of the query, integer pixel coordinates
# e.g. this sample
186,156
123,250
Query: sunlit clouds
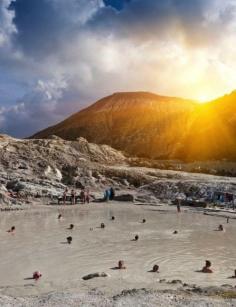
74,52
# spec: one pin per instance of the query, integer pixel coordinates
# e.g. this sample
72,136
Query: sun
203,98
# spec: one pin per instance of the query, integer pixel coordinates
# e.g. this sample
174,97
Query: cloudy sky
57,56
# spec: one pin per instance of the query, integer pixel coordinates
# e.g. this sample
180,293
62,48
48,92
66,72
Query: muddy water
40,244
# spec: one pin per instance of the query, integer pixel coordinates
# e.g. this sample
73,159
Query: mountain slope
148,125
140,123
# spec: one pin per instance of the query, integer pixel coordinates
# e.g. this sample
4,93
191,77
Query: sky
58,56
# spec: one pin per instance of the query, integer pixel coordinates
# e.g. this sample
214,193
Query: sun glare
203,99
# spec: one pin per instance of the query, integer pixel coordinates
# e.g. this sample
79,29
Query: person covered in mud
82,196
155,269
221,228
87,196
72,196
12,229
65,195
37,275
59,217
234,276
178,205
69,240
207,267
121,265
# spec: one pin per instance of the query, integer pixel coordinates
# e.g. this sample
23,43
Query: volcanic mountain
158,127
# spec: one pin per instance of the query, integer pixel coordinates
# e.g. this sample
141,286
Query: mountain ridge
154,126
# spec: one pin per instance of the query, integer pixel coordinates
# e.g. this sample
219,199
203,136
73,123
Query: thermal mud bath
129,247
39,244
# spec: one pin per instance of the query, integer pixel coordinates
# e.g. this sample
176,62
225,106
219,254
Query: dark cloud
46,25
197,22
117,4
40,26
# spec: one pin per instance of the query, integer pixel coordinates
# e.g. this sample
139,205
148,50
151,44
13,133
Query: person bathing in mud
69,240
87,196
82,196
220,228
121,265
37,275
155,269
65,196
234,276
12,230
207,267
72,197
178,206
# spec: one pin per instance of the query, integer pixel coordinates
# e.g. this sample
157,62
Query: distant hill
148,125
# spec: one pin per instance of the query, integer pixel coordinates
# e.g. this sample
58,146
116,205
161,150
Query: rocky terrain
129,298
42,168
158,127
38,168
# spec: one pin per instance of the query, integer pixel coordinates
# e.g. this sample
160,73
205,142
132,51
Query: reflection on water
36,245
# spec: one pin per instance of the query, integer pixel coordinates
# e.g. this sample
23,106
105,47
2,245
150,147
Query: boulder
124,197
93,275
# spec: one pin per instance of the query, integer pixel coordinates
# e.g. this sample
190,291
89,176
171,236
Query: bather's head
121,264
69,239
155,268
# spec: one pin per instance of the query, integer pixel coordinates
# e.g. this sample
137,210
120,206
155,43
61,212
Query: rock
15,186
4,199
124,197
93,275
175,281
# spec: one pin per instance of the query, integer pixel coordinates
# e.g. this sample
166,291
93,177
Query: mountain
158,127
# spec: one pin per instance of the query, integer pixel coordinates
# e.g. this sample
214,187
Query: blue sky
57,56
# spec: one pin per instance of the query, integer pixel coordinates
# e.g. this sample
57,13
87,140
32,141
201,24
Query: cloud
7,27
56,56
49,24
41,105
197,22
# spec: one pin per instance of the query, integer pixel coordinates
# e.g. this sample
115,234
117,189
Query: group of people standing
84,196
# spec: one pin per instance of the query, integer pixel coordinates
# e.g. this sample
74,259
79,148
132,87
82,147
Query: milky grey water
39,244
